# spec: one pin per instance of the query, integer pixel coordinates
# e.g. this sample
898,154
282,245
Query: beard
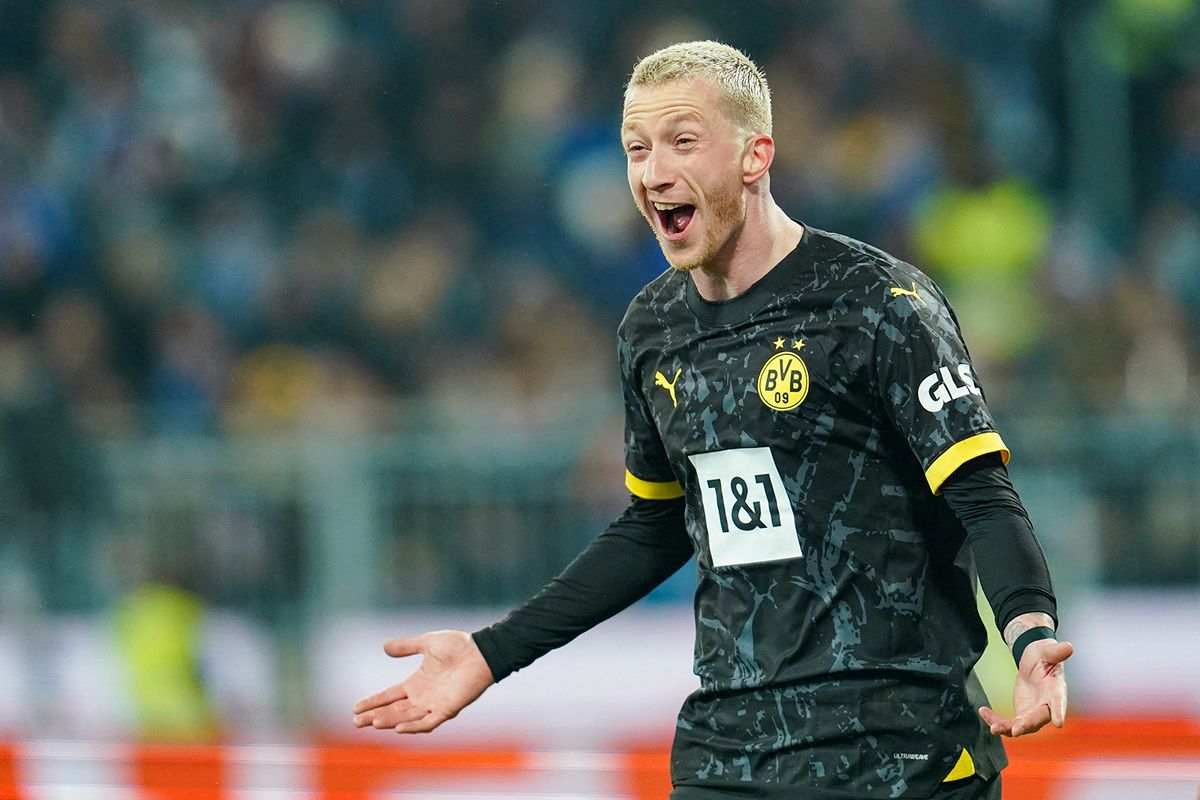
725,211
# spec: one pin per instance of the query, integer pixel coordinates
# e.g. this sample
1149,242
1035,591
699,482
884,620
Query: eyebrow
672,119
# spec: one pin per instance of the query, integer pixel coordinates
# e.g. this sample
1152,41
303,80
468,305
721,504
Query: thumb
398,648
1057,652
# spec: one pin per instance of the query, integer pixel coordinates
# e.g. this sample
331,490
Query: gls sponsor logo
941,387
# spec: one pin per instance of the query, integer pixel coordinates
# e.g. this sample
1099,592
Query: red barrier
649,773
8,773
1043,767
352,772
1138,749
179,772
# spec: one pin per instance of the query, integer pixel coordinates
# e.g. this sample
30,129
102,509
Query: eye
686,140
635,148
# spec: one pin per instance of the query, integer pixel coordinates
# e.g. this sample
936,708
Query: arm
639,550
1013,573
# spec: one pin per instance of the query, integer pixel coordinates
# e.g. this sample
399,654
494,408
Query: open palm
453,673
1040,693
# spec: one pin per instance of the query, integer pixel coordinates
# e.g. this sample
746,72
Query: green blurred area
159,629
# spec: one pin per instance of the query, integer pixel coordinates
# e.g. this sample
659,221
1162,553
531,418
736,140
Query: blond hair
742,85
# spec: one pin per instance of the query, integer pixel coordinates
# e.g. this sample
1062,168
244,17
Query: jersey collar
767,288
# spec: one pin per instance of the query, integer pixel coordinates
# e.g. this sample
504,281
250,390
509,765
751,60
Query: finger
388,716
996,723
386,697
406,714
1058,709
400,711
1031,721
423,725
364,719
398,648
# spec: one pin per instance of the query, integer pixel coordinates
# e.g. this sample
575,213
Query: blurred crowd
221,216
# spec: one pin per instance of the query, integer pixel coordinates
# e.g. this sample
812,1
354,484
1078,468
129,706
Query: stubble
726,211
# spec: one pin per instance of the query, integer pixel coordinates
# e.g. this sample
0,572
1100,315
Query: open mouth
674,218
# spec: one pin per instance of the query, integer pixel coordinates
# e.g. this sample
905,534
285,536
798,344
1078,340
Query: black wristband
1029,637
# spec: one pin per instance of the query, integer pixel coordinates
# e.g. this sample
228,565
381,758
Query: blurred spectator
52,484
984,244
191,370
232,218
159,629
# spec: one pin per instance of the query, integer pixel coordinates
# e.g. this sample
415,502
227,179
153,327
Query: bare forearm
1023,622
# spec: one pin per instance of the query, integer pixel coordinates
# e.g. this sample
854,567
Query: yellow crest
783,380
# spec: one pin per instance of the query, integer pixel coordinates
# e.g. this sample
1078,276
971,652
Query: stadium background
306,341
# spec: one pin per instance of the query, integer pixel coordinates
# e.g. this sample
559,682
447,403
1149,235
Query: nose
657,173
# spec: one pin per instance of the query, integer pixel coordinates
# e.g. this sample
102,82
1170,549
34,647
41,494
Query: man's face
684,163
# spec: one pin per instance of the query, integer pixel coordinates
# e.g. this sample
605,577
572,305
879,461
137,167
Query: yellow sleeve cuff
653,490
962,452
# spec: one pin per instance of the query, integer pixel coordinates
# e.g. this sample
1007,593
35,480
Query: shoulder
882,285
861,264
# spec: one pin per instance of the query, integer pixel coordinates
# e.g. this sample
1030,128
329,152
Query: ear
757,158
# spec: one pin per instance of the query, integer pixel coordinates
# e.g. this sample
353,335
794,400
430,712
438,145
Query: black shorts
970,789
974,788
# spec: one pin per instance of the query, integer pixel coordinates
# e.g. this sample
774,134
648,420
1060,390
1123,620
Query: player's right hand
453,673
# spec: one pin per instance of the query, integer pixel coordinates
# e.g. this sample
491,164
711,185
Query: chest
783,379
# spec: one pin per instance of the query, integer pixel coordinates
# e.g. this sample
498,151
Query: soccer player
802,414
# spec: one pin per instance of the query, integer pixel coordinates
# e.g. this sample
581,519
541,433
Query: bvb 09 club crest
783,380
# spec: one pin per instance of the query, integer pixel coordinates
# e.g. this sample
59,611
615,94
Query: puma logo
661,380
897,291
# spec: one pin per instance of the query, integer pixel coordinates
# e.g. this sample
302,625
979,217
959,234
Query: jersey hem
960,453
652,490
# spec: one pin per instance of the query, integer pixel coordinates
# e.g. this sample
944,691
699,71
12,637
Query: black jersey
809,424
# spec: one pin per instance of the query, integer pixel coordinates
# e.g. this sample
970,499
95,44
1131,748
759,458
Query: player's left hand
1040,694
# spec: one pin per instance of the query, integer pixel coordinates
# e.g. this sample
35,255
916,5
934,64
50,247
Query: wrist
1023,622
1027,638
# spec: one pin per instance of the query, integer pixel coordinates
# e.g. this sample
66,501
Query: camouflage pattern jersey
809,424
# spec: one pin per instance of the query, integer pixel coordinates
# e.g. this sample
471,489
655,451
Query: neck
765,238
